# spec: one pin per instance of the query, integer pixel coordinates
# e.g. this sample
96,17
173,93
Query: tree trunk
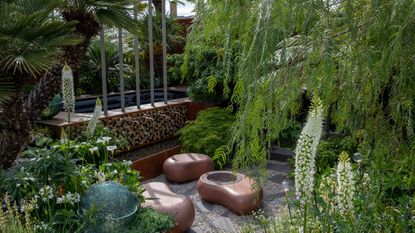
15,128
157,5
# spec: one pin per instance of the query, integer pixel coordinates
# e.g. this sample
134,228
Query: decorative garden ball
114,207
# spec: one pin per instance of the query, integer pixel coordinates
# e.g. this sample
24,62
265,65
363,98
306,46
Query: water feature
87,104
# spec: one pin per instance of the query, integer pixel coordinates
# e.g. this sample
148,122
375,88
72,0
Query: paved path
211,218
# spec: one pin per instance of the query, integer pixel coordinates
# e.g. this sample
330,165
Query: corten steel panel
152,166
195,107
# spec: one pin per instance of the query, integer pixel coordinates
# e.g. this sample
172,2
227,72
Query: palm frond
116,13
117,17
29,7
30,39
6,90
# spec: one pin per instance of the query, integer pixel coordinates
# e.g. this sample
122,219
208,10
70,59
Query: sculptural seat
235,191
164,200
187,167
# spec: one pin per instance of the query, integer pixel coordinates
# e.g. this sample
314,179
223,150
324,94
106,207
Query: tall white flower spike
68,92
305,152
345,185
92,124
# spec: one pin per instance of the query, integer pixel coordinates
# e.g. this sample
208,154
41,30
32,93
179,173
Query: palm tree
85,18
90,70
30,41
174,38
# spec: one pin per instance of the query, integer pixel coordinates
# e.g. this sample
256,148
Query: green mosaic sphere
113,204
54,107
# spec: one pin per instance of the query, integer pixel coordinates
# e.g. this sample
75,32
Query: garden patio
146,116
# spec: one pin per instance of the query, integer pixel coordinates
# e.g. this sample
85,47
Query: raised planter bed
152,165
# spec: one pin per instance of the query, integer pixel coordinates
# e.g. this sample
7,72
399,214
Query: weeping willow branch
358,56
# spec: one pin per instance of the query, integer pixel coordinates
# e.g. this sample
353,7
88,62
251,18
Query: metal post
150,44
163,32
137,67
121,65
103,72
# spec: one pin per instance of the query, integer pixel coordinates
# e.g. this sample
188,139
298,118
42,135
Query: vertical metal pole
121,65
103,72
150,44
163,32
137,67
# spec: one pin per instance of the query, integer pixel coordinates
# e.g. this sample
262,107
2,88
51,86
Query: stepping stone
204,207
225,224
281,154
187,167
164,200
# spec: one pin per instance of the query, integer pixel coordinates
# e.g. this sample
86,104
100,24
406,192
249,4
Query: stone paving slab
212,218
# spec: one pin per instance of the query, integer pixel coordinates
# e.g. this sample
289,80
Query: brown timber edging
152,166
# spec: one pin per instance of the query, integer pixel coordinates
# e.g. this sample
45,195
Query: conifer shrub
208,132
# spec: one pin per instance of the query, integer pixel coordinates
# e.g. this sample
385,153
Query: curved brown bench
164,200
187,167
235,191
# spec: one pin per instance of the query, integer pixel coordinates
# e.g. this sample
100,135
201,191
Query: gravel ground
212,218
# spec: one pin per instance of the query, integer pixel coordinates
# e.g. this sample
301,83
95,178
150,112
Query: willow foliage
357,55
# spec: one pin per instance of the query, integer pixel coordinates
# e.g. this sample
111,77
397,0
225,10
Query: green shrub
199,92
289,134
210,78
328,151
151,221
174,62
90,81
208,132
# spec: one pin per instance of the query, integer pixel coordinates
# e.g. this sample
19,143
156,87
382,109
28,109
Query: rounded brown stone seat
187,167
164,200
235,191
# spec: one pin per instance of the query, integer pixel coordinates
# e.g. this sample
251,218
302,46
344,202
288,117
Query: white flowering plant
68,92
345,189
97,149
331,193
48,187
13,221
92,123
305,153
